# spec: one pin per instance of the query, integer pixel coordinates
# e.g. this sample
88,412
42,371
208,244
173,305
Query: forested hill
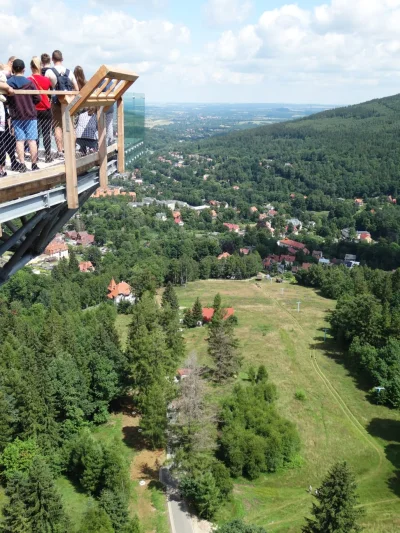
345,152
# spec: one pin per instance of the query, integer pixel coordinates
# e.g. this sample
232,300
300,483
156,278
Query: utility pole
298,307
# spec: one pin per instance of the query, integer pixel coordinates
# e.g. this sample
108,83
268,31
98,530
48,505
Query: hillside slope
345,152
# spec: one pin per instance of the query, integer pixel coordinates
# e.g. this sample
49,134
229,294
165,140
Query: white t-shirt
61,69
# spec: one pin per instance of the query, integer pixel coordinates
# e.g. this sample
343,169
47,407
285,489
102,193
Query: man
22,108
45,63
62,79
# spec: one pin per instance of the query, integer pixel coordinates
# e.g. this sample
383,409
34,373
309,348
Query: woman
44,114
80,76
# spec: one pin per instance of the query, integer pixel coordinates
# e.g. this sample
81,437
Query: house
86,266
306,266
317,254
236,187
179,221
288,259
265,224
350,257
81,238
324,261
296,223
112,191
232,227
161,216
351,264
224,255
183,373
364,236
358,202
262,216
214,203
245,251
208,313
56,249
213,214
272,213
253,209
392,200
120,292
299,246
270,260
176,214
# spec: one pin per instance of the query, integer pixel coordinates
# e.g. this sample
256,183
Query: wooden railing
106,88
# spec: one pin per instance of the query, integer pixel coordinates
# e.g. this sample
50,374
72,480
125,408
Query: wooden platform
17,185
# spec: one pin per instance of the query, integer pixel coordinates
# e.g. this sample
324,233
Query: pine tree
73,263
154,415
223,348
169,297
96,520
15,512
336,509
116,506
197,311
44,506
262,374
217,302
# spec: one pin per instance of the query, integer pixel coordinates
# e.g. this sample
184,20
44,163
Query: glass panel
134,106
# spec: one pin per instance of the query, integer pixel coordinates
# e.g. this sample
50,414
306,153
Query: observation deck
35,205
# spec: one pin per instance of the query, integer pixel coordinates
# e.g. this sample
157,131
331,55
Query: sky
337,52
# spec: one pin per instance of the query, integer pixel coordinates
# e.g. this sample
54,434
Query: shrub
300,395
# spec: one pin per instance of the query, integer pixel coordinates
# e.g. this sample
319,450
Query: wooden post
101,126
121,136
70,158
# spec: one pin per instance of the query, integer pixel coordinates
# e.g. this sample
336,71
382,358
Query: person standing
45,63
62,79
5,89
8,68
43,108
22,108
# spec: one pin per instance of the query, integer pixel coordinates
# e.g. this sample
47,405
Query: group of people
25,118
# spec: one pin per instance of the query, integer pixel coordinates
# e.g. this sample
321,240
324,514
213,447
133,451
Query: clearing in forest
335,421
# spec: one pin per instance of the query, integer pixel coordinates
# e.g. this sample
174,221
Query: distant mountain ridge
346,152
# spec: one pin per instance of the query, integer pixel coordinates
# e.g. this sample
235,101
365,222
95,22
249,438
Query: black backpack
63,82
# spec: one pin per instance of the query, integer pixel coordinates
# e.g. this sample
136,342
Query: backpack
63,82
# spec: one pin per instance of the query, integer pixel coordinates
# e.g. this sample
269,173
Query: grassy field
336,422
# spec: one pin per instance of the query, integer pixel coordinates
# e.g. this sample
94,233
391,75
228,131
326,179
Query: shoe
34,166
22,168
49,159
60,155
3,174
15,167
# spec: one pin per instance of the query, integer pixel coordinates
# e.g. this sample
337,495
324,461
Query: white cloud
222,12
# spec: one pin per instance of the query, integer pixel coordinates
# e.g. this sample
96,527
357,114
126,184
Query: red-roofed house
262,216
245,251
57,249
120,292
253,209
224,255
364,236
270,260
359,202
272,212
306,266
179,221
288,243
232,227
86,266
289,259
208,313
183,373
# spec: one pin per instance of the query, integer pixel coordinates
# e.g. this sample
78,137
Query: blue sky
309,51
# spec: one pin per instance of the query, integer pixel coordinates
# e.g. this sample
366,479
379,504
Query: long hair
80,76
35,64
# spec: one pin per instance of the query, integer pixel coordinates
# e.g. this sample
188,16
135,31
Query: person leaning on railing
4,89
62,79
23,114
43,108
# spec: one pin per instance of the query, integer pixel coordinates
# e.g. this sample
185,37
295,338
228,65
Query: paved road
178,513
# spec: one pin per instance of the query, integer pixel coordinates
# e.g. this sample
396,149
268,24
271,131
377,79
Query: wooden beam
121,74
71,176
121,135
88,89
112,87
101,87
96,101
101,126
122,90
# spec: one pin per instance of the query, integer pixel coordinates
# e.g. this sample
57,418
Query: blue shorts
25,130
